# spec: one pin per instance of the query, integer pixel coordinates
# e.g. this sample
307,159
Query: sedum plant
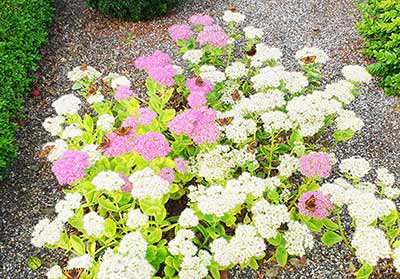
236,169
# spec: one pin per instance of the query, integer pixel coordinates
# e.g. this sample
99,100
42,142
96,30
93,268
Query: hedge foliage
381,28
133,10
22,31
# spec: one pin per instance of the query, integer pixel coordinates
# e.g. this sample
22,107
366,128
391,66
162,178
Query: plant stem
271,154
342,233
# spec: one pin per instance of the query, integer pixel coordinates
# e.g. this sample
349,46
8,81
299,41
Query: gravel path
80,35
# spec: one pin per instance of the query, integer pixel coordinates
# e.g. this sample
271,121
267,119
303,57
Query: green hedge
381,28
22,31
133,10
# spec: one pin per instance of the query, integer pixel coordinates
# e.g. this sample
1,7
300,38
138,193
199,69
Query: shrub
162,193
381,28
22,32
134,10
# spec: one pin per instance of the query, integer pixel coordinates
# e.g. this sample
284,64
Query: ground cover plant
234,171
22,31
380,26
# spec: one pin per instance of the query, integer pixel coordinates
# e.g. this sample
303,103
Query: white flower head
298,239
53,125
356,73
289,165
93,152
82,72
251,32
105,122
148,184
188,218
85,261
46,231
67,104
306,52
193,55
233,16
347,120
93,224
355,166
72,131
55,272
57,149
108,180
385,177
236,70
136,219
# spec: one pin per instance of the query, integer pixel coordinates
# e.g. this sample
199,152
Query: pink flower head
181,165
197,85
201,19
127,187
146,116
155,60
164,75
214,36
152,145
167,174
71,166
198,124
180,32
315,204
123,93
119,144
315,164
196,100
35,93
132,122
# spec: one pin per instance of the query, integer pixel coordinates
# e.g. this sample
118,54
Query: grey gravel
81,35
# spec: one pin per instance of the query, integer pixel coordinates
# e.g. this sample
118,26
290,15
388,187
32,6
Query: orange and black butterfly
74,273
236,95
46,151
252,146
308,59
108,90
92,90
105,142
234,10
310,203
224,121
252,51
199,81
84,67
122,131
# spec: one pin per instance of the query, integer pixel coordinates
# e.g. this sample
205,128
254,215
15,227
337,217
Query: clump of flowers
187,192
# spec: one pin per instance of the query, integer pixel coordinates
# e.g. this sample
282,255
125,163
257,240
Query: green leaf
329,224
364,272
281,255
110,228
273,196
343,135
253,263
77,245
34,262
330,238
313,225
108,205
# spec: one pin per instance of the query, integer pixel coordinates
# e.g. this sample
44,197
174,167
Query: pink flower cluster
124,93
158,66
127,187
181,165
151,145
180,32
71,166
198,91
315,204
167,174
146,115
213,35
119,144
315,164
198,124
132,122
201,19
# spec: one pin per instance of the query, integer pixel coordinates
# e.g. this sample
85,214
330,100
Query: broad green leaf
330,238
34,262
281,255
364,272
329,224
110,228
77,245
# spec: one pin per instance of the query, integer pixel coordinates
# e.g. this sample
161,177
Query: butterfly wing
74,273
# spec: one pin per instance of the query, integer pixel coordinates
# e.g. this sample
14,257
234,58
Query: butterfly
308,59
105,142
310,203
84,67
236,95
252,51
46,151
224,121
252,146
122,131
199,81
92,90
74,273
234,10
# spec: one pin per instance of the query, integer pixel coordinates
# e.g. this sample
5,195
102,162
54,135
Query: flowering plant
238,169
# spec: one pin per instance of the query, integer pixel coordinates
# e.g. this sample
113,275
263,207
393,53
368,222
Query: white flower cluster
396,258
248,184
53,125
348,120
59,146
195,267
356,167
210,73
55,272
370,244
93,224
233,16
85,261
276,121
93,152
108,180
268,218
217,163
251,32
356,74
67,104
298,239
47,231
193,55
239,129
105,122
182,244
236,70
79,73
148,184
244,245
136,219
72,131
228,92
264,54
385,178
129,262
268,77
65,208
320,55
288,165
188,218
341,90
116,80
